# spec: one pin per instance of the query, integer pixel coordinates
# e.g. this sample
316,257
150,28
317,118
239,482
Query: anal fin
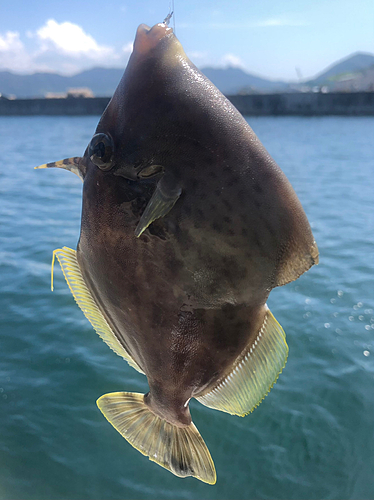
83,297
254,372
181,450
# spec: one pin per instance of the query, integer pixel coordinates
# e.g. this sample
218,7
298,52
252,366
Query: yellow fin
254,373
181,450
70,267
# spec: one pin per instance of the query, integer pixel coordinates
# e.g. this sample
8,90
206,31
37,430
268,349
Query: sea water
312,436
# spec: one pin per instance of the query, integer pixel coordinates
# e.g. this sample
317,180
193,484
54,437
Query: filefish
187,225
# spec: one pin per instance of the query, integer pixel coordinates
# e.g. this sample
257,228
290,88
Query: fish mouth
147,38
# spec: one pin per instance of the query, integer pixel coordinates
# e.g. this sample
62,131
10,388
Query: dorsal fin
67,258
73,164
253,374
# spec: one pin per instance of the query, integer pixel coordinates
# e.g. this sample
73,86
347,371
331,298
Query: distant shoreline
287,104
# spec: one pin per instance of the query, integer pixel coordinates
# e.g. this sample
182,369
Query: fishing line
170,15
172,3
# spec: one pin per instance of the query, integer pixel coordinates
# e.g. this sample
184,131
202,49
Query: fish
187,225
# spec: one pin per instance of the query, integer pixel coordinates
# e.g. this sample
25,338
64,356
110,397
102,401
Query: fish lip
148,38
144,27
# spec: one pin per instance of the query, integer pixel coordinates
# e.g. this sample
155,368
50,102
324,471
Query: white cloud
265,23
10,42
279,22
197,55
232,60
13,54
57,47
128,48
70,39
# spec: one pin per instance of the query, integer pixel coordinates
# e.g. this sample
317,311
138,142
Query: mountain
356,65
234,80
33,85
103,81
356,72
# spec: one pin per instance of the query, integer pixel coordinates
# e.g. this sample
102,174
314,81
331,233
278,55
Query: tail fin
181,450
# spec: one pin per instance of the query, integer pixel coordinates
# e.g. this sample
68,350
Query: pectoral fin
162,201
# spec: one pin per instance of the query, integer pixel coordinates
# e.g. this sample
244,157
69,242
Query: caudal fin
181,450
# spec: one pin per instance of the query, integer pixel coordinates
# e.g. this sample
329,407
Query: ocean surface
311,438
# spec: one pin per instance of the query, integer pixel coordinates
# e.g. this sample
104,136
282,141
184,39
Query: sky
275,39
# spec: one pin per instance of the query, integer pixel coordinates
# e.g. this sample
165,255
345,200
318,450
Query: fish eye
100,151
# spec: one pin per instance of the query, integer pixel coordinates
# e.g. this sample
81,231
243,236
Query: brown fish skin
187,298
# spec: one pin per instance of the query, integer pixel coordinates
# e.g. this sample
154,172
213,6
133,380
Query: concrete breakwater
63,107
293,104
306,104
